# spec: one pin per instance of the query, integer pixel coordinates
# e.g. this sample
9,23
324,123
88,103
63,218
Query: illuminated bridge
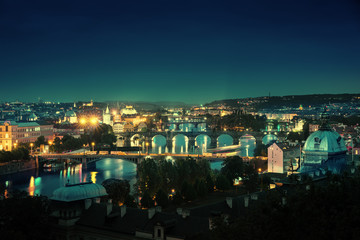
132,157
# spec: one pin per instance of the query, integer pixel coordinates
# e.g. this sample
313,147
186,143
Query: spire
107,110
324,119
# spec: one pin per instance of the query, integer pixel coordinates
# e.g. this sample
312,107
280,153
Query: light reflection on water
202,142
45,182
39,182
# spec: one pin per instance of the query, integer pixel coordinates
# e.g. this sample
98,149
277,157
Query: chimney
254,196
229,201
87,203
185,213
246,201
109,207
179,211
123,210
151,213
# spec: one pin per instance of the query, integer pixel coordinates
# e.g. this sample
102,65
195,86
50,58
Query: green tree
232,168
149,178
39,141
56,146
188,191
201,188
222,183
251,178
130,201
210,183
161,198
24,217
146,200
118,190
103,135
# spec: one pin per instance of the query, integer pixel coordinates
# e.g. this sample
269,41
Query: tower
107,116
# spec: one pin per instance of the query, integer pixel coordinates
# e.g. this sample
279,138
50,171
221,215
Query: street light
147,148
82,121
15,145
50,143
261,183
31,146
93,144
93,120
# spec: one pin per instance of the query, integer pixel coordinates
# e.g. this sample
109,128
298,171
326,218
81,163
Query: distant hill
290,100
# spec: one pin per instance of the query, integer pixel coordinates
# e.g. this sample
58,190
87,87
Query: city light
82,121
93,120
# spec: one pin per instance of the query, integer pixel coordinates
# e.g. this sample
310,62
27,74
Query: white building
282,158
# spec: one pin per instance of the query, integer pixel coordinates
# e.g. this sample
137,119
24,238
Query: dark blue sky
177,50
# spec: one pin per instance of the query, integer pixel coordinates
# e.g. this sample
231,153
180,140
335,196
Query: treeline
102,137
24,217
184,180
330,212
19,153
234,121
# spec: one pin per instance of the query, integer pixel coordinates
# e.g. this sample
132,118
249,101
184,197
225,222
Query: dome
325,141
70,114
80,191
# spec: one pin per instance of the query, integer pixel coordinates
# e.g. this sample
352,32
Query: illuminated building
107,116
134,120
13,133
282,158
128,110
89,104
324,149
70,116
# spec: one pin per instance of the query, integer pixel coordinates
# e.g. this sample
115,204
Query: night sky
177,50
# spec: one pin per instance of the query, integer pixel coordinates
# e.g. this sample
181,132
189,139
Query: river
44,182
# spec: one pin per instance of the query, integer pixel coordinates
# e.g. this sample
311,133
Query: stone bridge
129,138
132,157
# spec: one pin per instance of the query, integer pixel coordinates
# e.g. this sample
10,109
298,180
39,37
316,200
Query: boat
227,151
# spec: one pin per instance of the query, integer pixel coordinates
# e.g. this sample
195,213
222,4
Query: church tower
107,116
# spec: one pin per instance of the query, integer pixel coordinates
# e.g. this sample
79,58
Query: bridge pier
169,144
191,143
127,142
214,143
37,161
83,160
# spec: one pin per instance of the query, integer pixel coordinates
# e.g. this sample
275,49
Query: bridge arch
158,143
224,140
269,138
202,139
136,140
180,143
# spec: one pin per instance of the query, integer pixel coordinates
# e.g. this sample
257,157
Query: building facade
12,133
282,158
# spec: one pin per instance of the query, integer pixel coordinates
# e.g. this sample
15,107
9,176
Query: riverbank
16,166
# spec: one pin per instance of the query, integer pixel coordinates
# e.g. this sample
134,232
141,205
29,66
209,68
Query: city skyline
192,52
